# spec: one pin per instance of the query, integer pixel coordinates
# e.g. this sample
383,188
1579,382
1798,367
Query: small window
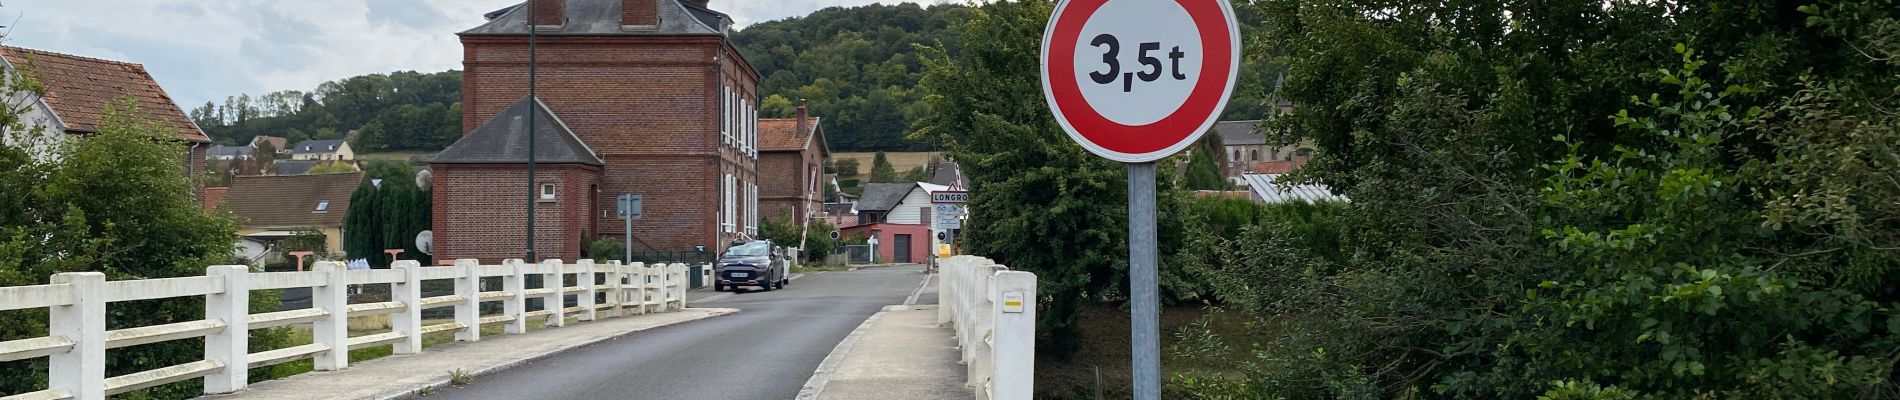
547,192
1256,156
322,207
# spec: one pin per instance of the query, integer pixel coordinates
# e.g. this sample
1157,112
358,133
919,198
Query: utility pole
534,190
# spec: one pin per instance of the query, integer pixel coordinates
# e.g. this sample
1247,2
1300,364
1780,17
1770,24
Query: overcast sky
207,49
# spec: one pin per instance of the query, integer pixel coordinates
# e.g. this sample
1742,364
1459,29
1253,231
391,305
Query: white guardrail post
408,319
589,284
1014,331
333,330
557,287
516,305
993,312
81,372
230,346
468,312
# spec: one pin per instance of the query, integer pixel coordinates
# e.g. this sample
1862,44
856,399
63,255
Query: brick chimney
802,117
549,14
640,14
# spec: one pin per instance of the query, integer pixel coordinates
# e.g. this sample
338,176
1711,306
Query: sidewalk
899,353
402,375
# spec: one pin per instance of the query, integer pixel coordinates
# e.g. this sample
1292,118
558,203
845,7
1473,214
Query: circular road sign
1138,80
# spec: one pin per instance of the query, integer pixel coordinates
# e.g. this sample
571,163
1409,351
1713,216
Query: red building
792,154
896,243
656,101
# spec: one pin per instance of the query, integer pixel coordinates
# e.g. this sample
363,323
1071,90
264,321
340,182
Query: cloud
205,50
414,14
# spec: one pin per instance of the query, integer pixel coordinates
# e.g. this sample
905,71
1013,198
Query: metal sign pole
1143,308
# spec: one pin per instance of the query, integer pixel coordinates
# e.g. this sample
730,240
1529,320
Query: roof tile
291,201
79,88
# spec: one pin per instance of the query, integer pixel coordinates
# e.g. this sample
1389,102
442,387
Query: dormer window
322,207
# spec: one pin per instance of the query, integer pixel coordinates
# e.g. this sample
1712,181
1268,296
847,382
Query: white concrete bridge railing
77,340
994,312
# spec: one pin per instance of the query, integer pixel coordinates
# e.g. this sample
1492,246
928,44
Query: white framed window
725,112
547,192
745,131
727,205
324,207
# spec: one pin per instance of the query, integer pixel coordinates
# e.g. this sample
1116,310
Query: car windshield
753,249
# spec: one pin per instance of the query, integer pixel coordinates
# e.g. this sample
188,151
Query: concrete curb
444,381
822,376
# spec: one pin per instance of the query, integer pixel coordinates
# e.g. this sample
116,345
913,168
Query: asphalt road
765,351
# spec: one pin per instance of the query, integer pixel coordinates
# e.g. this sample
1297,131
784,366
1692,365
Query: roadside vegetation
1571,200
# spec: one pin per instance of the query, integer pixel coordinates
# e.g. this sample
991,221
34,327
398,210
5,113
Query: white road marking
920,290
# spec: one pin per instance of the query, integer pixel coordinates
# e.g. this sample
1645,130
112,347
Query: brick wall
481,211
639,13
647,105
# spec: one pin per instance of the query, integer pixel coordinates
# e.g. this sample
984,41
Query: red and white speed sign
1138,80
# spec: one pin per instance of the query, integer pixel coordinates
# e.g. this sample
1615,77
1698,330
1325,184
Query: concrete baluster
554,302
516,304
333,330
468,312
231,346
636,289
613,277
590,287
81,371
408,319
1013,361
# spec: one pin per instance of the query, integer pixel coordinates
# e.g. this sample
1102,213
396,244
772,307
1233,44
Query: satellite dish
425,241
423,178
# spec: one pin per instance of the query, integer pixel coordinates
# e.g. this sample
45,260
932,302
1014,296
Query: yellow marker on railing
943,250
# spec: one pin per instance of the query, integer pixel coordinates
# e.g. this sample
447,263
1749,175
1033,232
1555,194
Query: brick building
792,155
652,89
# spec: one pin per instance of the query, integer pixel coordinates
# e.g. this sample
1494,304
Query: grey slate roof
503,139
316,146
1264,187
884,196
1239,133
602,17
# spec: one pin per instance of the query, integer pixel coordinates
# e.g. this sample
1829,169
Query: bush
607,248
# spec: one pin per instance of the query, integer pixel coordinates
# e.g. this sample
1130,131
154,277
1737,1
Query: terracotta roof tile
214,197
292,201
780,134
78,89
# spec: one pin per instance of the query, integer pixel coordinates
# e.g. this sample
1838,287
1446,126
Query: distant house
1245,151
900,212
229,153
273,208
792,157
77,91
322,150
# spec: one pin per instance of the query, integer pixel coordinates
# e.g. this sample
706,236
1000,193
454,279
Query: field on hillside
899,161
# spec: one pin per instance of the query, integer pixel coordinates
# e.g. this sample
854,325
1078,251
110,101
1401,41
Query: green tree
332,167
1559,200
387,215
1048,206
882,171
114,201
1203,173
